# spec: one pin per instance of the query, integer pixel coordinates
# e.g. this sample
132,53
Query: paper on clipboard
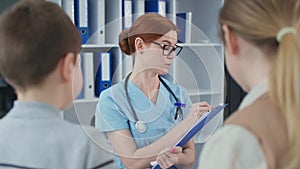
204,119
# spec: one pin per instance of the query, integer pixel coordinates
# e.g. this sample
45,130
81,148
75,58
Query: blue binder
81,19
103,75
183,22
157,6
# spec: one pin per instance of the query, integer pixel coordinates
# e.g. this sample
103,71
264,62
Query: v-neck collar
143,105
140,94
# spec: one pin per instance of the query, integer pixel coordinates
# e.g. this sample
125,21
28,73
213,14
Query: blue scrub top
114,113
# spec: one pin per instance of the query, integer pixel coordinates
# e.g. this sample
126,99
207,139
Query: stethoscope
141,126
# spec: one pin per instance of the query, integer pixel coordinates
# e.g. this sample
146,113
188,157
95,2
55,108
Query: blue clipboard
207,117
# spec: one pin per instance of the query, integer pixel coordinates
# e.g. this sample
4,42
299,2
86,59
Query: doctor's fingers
167,159
193,114
200,106
170,153
203,104
176,149
203,110
197,111
163,164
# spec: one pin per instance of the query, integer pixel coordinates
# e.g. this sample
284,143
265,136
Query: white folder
58,2
96,21
69,8
88,75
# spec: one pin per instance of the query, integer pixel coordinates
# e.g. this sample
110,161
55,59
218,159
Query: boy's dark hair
35,35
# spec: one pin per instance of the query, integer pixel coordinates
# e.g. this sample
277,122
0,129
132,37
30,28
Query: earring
141,52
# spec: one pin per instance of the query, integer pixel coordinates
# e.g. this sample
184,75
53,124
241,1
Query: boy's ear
230,40
68,66
139,44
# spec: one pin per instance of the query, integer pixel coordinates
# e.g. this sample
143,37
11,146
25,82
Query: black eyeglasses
167,49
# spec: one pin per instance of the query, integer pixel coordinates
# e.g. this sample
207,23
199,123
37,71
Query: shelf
199,44
96,47
94,100
201,92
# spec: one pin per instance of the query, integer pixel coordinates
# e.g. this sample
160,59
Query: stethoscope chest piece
140,126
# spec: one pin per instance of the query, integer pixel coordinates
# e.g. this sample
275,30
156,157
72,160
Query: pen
154,163
178,104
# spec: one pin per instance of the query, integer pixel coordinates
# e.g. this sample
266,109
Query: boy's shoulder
80,130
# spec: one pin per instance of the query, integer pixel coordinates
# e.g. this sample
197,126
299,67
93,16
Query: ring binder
58,2
96,21
81,19
103,74
158,6
69,8
88,75
184,24
127,13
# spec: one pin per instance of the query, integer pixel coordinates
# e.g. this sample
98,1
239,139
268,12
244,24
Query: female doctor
138,114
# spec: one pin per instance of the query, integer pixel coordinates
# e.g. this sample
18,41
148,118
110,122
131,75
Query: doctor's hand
197,110
168,157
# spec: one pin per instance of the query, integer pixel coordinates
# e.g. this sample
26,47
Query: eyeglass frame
163,46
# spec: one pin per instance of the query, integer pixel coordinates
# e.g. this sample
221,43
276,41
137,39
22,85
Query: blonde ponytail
285,91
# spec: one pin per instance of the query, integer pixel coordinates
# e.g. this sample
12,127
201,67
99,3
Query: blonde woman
262,47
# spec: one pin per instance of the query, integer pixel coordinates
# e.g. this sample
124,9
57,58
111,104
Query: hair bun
123,42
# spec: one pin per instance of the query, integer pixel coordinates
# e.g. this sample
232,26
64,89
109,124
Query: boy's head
35,36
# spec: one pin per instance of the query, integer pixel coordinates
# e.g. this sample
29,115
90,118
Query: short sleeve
232,147
109,116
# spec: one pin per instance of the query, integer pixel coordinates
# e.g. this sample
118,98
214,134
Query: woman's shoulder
231,139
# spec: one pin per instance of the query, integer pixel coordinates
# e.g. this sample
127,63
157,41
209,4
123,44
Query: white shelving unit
199,68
